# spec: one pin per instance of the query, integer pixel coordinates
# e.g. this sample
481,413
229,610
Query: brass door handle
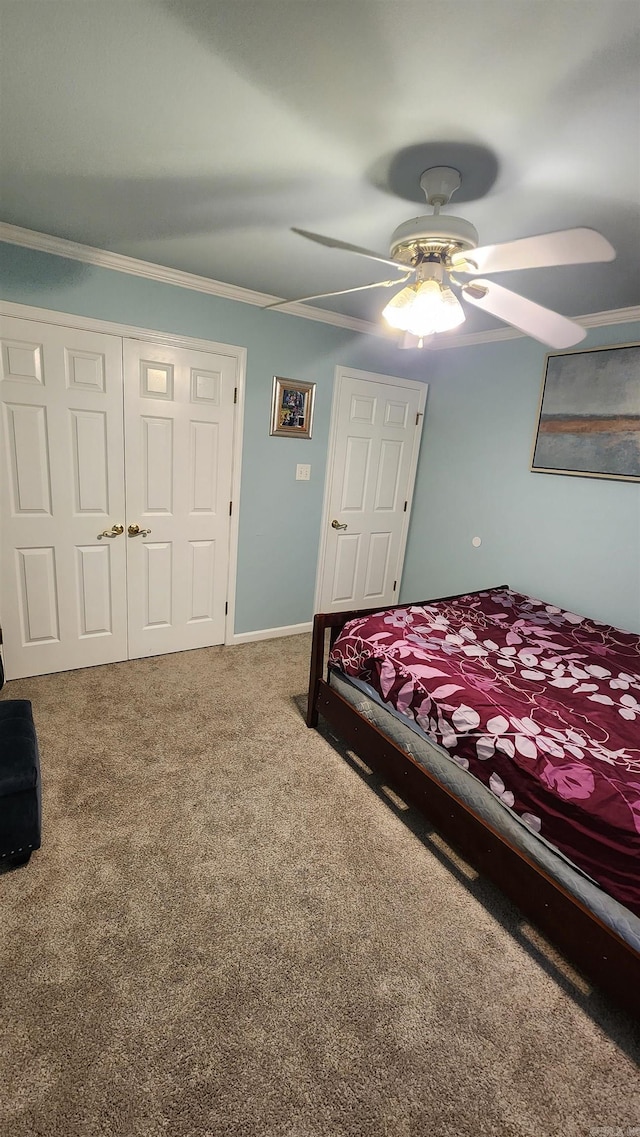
136,531
336,525
114,531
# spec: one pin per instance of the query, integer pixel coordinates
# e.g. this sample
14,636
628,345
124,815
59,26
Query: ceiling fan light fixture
397,310
435,309
424,308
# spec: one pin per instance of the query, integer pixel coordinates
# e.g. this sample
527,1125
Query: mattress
488,807
540,705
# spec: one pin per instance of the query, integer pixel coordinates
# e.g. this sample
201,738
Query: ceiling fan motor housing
439,235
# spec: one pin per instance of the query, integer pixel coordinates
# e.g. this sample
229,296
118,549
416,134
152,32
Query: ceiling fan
431,253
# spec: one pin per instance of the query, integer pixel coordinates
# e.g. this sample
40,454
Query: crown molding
118,262
615,316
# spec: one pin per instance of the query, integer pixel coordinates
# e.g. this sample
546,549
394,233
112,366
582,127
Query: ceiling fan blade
566,247
332,243
541,323
342,292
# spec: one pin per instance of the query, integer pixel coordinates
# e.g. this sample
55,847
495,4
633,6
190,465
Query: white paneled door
375,439
63,590
179,434
114,507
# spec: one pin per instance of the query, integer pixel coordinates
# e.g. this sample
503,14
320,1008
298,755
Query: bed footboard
321,621
335,621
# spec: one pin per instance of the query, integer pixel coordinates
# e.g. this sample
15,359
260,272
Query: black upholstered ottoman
20,801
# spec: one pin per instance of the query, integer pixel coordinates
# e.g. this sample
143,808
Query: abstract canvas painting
589,420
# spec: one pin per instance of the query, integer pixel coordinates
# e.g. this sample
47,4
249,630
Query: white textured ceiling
194,135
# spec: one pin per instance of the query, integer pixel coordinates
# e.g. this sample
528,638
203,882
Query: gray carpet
232,929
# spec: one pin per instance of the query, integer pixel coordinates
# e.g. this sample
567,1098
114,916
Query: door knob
114,531
136,531
336,525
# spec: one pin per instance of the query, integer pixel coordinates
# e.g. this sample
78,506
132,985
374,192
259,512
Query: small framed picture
292,408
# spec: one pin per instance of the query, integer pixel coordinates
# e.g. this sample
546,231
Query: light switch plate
303,473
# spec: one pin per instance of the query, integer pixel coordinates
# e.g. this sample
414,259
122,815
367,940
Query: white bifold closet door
114,499
63,591
178,438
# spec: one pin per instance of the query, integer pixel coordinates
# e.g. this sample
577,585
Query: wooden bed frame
604,958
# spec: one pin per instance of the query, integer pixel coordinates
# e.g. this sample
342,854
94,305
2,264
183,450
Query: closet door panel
179,417
62,586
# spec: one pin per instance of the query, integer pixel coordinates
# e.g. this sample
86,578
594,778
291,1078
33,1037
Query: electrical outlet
303,473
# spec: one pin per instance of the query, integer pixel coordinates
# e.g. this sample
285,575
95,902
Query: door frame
171,339
341,373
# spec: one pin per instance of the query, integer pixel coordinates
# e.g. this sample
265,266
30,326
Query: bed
515,727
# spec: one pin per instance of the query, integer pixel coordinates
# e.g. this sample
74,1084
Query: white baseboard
271,633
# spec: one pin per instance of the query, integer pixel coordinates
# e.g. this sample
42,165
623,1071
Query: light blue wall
279,517
574,541
569,540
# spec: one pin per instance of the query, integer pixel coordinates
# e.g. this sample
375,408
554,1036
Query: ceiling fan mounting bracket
439,183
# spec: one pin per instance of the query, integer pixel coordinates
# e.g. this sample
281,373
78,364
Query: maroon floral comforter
541,705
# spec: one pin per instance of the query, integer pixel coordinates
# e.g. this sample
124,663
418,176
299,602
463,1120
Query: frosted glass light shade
424,308
397,310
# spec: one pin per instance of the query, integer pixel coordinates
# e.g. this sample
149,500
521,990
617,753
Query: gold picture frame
292,408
